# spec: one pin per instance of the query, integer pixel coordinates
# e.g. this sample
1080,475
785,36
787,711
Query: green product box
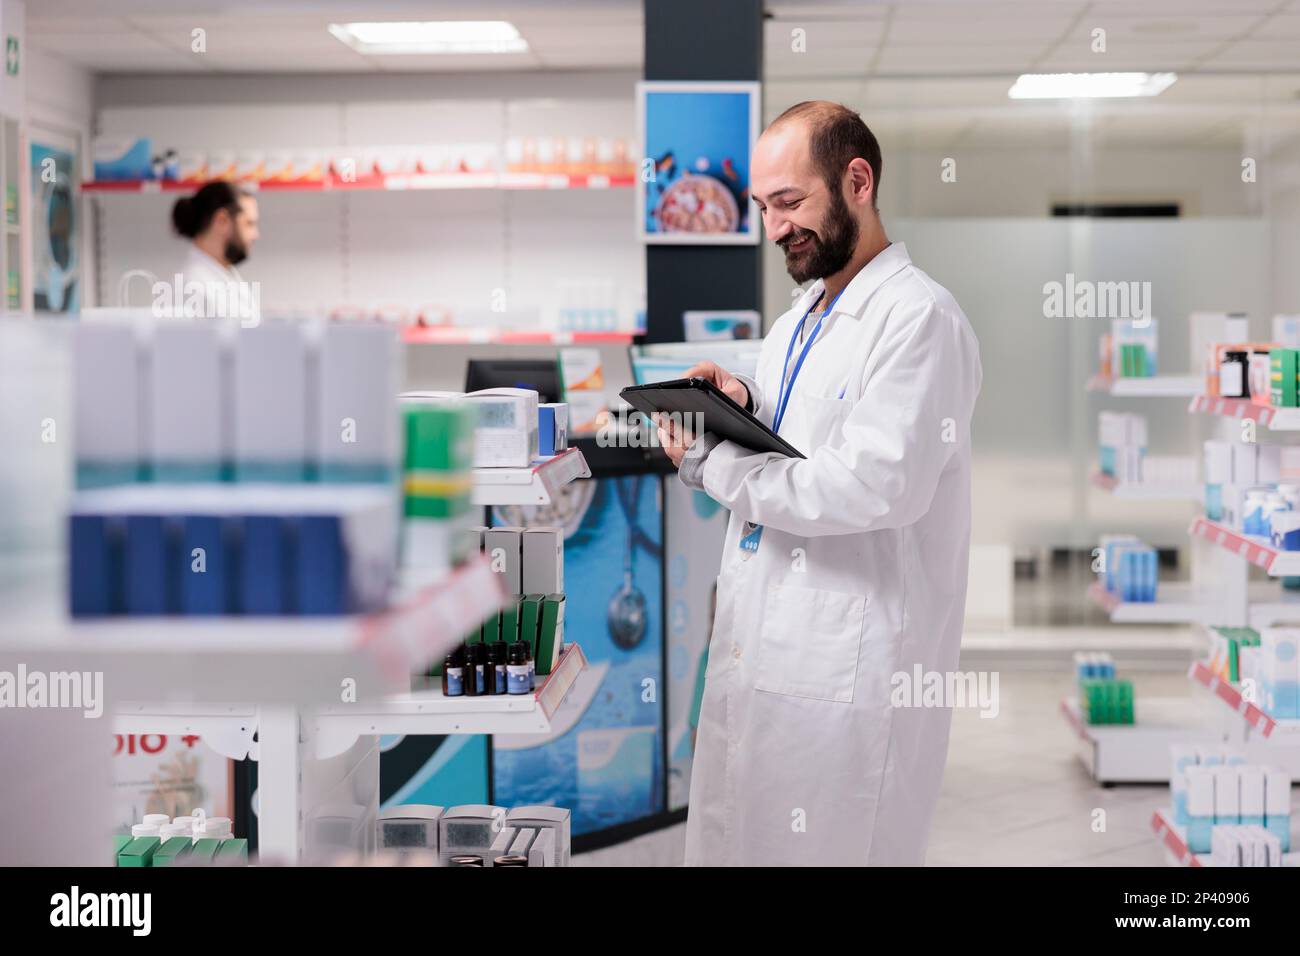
1283,367
551,633
139,852
510,619
205,850
438,506
491,629
176,848
530,616
120,842
233,852
440,436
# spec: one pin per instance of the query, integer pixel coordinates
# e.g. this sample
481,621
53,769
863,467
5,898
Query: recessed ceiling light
431,36
1064,86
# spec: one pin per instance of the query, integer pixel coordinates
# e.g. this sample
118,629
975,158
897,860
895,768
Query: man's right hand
727,383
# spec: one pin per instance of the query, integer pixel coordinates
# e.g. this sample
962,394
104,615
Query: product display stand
1139,752
307,754
535,485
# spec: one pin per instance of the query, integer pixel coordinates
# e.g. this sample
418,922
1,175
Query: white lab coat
860,573
225,293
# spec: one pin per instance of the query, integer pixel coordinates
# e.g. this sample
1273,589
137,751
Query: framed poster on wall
694,184
56,221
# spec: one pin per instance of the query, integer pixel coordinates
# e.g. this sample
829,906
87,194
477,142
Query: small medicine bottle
466,860
517,669
513,860
473,670
497,666
453,673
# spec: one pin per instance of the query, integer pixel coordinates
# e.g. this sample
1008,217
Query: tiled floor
1014,794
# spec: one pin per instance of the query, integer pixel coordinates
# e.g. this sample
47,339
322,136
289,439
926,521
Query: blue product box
1181,816
122,159
545,431
1214,502
145,565
1280,827
263,562
321,567
204,587
90,566
1198,834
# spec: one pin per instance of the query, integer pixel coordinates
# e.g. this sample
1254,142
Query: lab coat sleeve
882,467
755,394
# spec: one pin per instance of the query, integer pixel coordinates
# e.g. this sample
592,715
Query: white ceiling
930,72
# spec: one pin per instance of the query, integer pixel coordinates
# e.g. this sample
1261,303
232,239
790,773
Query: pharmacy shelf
1155,386
1175,603
537,485
1278,419
452,335
429,712
228,729
297,660
1181,602
394,182
1230,695
1174,839
1137,752
1143,490
1255,550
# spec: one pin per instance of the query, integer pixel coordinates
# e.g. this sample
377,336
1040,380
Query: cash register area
377,570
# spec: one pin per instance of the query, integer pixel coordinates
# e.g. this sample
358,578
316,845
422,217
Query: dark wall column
690,40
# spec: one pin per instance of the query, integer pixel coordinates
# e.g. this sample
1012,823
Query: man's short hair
838,137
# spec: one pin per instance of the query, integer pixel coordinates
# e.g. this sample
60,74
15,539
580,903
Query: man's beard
832,244
236,252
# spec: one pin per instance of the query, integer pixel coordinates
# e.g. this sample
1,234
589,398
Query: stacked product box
1103,697
1212,788
1129,568
1122,438
224,470
1228,646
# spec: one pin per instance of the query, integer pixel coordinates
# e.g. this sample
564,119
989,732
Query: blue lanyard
784,392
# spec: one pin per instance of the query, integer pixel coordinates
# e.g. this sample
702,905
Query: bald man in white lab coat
847,567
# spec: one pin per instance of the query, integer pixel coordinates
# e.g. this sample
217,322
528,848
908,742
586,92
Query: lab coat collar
871,277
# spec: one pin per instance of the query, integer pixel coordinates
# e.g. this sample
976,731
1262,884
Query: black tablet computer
720,415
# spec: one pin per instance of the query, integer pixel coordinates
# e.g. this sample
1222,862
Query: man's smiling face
810,222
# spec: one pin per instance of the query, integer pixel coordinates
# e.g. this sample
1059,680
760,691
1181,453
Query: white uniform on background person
225,293
859,573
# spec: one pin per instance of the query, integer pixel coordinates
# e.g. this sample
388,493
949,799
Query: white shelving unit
284,664
427,711
1278,419
529,486
1157,386
1143,491
1137,752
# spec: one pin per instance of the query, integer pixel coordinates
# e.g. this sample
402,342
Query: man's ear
860,181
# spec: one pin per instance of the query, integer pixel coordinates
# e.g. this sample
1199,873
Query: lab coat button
735,651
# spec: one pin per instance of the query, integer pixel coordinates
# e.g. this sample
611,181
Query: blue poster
604,757
694,186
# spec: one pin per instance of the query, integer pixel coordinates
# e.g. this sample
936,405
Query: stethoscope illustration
626,614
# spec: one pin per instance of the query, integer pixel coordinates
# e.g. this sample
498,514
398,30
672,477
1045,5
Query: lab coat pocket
809,643
822,420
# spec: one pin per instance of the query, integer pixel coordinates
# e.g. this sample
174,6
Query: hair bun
183,217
